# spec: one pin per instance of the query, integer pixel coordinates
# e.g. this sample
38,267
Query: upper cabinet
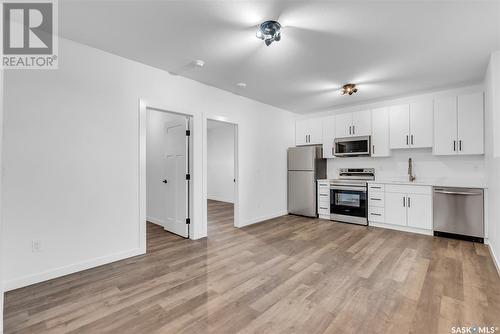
353,124
328,136
380,132
459,125
308,131
410,125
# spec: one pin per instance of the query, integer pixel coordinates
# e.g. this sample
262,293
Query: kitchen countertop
437,182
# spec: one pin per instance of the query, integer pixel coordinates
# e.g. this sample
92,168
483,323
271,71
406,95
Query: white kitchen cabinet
395,209
408,205
410,125
471,124
358,123
328,136
421,120
380,132
343,125
445,126
362,123
399,126
324,199
419,208
308,131
459,125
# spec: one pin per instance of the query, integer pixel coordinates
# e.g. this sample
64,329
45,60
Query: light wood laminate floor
287,275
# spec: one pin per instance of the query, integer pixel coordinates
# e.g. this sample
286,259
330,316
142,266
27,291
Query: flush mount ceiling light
269,32
241,85
199,63
348,89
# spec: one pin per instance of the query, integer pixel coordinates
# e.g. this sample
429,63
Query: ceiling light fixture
348,89
269,32
199,63
241,85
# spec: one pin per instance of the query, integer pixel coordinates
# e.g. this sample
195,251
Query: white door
315,131
362,123
328,136
176,184
343,125
399,126
471,124
445,126
380,132
395,209
420,211
421,119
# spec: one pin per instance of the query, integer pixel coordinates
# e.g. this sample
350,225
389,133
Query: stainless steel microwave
352,146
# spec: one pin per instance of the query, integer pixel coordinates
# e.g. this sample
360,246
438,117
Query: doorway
168,170
222,191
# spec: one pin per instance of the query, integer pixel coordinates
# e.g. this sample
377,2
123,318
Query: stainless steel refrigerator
305,166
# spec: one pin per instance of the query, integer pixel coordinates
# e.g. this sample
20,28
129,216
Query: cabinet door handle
350,130
411,139
333,151
376,214
376,199
404,201
373,149
323,208
353,130
454,146
407,140
374,187
460,145
409,202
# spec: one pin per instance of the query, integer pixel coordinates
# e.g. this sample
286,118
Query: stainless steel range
348,195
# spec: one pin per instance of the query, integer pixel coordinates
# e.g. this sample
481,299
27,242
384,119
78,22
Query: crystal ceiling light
348,89
269,32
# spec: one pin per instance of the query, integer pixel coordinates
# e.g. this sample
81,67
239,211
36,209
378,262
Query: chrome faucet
411,177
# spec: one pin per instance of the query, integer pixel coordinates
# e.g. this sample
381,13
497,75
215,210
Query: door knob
164,181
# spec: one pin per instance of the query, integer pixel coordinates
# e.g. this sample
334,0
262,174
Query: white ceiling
388,48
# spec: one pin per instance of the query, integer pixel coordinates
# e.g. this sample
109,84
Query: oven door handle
361,189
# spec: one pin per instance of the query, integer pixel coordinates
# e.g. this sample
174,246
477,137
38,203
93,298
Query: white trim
66,270
220,199
155,221
495,259
263,218
402,228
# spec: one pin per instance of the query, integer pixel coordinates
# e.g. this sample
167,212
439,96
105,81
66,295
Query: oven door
349,204
352,146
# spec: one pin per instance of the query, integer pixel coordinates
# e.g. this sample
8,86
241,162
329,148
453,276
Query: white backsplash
425,165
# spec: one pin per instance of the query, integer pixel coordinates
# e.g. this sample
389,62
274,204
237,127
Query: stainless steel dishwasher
459,213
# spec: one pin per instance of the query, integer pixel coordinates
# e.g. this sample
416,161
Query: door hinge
188,133
188,221
188,176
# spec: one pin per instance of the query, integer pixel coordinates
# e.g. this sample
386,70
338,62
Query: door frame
236,214
194,228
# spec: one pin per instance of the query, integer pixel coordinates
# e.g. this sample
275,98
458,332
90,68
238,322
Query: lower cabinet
404,205
324,199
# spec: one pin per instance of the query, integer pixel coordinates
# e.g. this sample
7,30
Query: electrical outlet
36,246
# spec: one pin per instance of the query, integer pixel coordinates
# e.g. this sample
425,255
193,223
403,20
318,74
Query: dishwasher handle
466,193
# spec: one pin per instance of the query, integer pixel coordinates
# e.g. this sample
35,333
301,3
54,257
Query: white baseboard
495,259
66,270
401,228
220,199
263,218
155,221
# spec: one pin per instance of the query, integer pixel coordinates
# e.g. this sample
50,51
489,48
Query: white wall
1,213
492,84
155,164
71,162
220,162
